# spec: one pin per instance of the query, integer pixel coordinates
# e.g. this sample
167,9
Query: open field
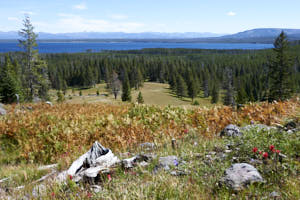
153,94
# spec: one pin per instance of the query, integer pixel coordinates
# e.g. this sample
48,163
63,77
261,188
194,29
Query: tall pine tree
280,70
126,91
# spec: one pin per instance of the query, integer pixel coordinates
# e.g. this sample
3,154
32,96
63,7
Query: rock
240,175
168,161
49,103
96,156
36,100
2,111
47,167
131,162
93,172
4,180
231,131
290,125
147,145
178,173
258,127
96,188
88,166
144,164
274,194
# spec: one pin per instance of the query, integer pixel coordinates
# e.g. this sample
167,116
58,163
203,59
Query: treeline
241,75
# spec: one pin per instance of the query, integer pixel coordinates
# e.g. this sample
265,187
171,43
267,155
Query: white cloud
13,19
77,23
118,16
27,13
231,13
81,6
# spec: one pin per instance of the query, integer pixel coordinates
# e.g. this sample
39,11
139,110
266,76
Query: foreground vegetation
39,134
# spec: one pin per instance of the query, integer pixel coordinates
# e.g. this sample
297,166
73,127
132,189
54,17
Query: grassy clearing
153,94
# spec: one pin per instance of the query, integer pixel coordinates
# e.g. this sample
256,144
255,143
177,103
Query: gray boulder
240,175
231,131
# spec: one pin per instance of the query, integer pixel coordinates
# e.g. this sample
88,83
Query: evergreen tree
241,96
280,70
9,86
215,94
35,70
181,87
140,98
192,87
228,99
126,93
206,88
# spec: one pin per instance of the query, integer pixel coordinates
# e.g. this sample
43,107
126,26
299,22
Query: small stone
96,188
228,151
2,111
4,180
47,167
131,162
144,164
274,194
36,100
231,131
178,173
49,103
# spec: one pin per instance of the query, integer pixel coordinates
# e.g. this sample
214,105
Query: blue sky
218,16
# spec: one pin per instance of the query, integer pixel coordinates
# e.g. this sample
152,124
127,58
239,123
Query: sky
132,16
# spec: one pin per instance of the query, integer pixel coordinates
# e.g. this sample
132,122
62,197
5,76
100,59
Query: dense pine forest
242,75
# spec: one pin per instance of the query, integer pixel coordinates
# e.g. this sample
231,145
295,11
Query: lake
75,47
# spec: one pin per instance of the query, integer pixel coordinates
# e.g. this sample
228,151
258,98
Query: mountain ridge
259,35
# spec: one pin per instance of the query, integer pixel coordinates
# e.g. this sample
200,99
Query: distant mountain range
262,35
111,35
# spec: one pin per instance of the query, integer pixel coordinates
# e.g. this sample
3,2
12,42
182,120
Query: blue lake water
75,47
